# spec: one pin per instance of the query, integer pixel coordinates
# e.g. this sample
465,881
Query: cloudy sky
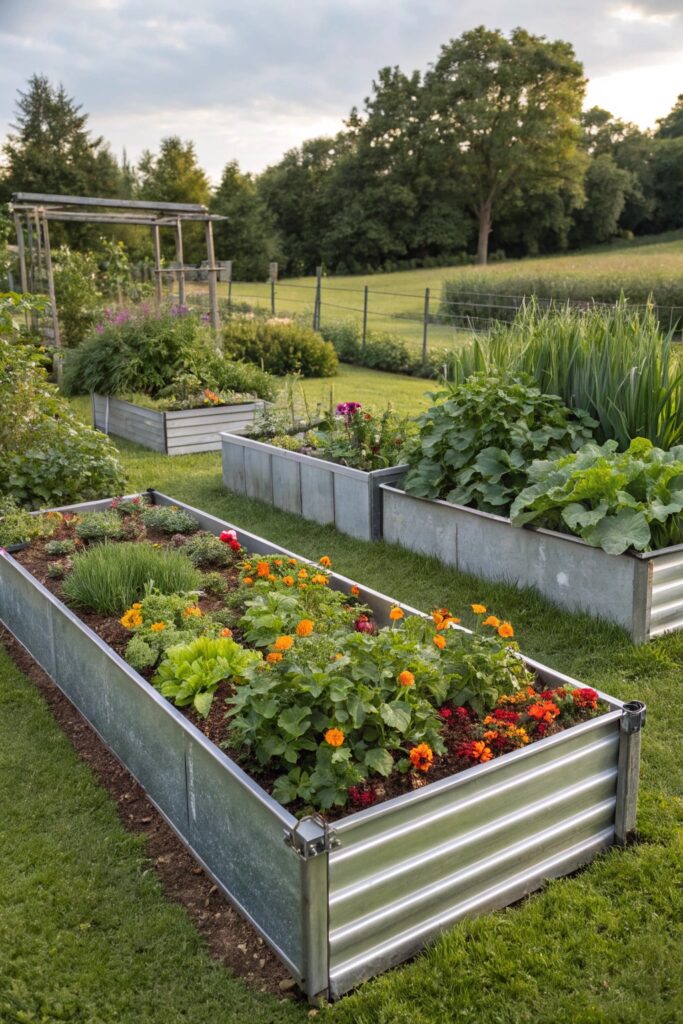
248,79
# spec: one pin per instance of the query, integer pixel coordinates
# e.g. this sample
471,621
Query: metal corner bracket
310,837
633,719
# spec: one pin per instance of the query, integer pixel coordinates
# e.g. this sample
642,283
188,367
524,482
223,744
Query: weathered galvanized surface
643,593
310,487
180,432
389,878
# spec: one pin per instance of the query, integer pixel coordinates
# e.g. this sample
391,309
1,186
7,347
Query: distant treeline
488,154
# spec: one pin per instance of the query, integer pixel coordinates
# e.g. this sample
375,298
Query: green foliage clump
78,296
17,526
58,570
99,526
280,347
478,439
108,578
161,621
206,550
616,364
169,519
612,500
382,350
47,455
190,674
60,547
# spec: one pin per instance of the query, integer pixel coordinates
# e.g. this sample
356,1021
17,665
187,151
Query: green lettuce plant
191,673
613,500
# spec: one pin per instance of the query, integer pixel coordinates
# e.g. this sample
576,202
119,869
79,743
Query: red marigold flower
585,698
445,713
474,750
543,711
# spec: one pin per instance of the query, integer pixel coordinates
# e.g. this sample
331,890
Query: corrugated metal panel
470,843
666,594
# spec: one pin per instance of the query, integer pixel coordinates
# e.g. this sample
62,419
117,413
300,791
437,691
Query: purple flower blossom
99,328
179,310
205,317
348,409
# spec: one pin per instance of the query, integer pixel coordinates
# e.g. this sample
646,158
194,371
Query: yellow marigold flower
283,643
440,642
131,618
396,614
303,586
292,561
406,678
505,630
157,627
355,590
226,632
337,656
248,579
305,627
288,581
274,656
303,574
478,609
335,737
262,569
491,621
192,611
327,562
272,579
319,578
247,566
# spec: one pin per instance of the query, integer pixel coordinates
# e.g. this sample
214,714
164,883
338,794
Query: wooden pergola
33,211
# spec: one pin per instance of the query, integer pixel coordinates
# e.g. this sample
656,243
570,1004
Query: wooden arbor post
180,261
22,251
53,300
157,262
213,275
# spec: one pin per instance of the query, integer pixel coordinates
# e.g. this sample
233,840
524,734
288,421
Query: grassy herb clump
111,577
99,526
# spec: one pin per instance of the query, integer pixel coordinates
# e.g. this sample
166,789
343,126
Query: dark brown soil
230,939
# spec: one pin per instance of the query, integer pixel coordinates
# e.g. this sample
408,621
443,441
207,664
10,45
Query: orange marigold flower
131,618
480,751
440,642
248,579
157,627
447,621
355,590
396,614
274,656
303,574
292,561
543,711
262,569
136,604
421,757
278,562
283,643
226,632
272,578
305,627
247,566
320,579
406,678
491,621
288,581
327,562
478,609
303,586
505,630
192,612
335,737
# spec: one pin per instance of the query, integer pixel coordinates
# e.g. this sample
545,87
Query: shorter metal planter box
181,432
340,904
310,487
642,592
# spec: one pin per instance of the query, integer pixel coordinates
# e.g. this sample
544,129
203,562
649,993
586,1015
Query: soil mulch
230,939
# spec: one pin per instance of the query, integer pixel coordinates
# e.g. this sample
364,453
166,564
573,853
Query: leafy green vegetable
613,500
190,674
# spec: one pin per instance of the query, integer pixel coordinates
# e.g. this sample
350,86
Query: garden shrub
47,455
280,348
477,440
612,500
172,355
99,526
78,296
169,519
110,577
383,350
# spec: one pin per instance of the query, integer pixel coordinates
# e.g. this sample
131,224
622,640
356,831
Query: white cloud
635,13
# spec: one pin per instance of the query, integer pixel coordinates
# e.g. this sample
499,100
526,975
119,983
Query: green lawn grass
603,947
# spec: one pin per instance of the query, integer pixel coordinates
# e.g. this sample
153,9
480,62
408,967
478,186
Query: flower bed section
180,432
341,902
642,592
325,492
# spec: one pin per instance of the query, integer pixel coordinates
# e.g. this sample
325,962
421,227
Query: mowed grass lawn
87,935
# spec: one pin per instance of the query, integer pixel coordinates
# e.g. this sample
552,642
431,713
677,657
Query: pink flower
228,535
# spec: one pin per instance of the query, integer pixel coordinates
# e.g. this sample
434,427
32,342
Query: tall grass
110,577
616,364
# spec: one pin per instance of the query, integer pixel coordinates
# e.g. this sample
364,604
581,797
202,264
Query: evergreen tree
173,175
248,236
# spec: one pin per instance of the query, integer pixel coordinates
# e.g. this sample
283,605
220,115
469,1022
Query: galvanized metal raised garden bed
323,491
340,904
180,432
643,592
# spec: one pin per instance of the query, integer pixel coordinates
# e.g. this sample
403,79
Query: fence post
316,307
425,326
273,279
365,318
